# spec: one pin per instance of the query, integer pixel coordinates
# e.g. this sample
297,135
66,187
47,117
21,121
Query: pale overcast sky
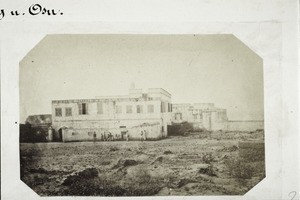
216,69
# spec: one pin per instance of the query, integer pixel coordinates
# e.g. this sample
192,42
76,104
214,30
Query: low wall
245,125
153,131
219,126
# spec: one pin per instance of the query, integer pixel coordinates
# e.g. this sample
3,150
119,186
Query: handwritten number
293,194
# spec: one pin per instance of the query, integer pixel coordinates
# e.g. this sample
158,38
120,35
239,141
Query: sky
217,69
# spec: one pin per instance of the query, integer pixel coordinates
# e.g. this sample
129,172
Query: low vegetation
191,165
208,158
29,134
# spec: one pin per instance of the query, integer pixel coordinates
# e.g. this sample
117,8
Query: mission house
121,116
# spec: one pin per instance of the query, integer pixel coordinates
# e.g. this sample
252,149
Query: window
139,109
58,112
178,116
128,109
200,116
195,116
100,108
163,107
90,133
68,112
118,109
150,108
82,107
169,107
144,95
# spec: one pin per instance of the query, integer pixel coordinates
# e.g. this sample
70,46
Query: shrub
186,129
114,148
168,152
29,134
229,149
38,180
77,178
252,151
124,163
209,170
207,158
99,186
204,135
182,182
239,169
142,184
28,157
105,162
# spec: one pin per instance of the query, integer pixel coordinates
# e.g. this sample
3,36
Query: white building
201,115
83,119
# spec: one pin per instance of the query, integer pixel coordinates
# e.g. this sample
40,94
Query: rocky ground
201,163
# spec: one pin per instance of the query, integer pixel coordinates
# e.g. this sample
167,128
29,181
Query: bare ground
202,163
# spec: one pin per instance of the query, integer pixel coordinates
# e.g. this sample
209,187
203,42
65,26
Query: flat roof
112,97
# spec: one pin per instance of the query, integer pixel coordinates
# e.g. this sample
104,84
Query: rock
114,149
88,173
129,163
168,152
124,163
158,159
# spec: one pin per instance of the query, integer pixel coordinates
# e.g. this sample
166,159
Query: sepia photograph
141,115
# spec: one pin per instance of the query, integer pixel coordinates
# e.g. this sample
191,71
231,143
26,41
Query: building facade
201,115
120,116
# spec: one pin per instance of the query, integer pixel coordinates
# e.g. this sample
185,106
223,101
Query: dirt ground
201,163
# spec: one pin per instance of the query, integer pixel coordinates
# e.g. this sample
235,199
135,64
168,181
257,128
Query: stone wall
250,125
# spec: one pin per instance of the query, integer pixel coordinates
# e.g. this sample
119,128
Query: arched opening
57,136
60,134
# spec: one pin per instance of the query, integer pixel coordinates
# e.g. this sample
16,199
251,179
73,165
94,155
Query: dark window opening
82,108
58,112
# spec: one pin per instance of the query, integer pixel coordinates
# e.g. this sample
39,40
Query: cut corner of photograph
141,115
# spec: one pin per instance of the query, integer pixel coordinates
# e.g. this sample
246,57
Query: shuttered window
163,107
58,112
100,108
68,112
82,108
